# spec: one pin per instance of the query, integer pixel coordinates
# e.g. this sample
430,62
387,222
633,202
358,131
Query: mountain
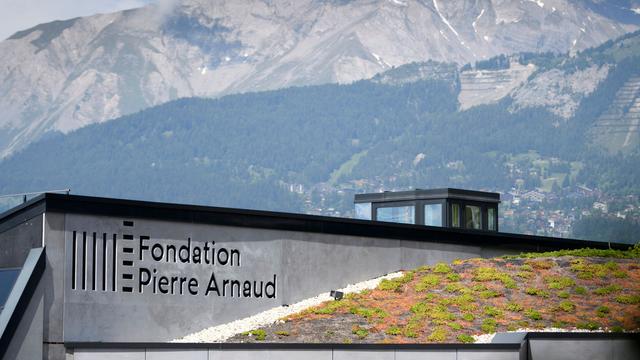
64,75
308,149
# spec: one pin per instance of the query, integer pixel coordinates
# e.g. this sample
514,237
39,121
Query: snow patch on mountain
398,2
476,21
444,20
539,2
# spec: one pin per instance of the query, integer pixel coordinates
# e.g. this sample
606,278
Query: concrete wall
296,354
559,347
53,286
584,349
305,264
26,343
16,241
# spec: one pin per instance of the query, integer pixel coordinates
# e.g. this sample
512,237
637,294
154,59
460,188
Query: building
452,208
535,196
601,206
96,279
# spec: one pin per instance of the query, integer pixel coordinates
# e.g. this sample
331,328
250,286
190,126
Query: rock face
63,75
617,129
487,86
560,91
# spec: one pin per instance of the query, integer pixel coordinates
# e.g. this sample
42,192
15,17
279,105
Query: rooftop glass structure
454,208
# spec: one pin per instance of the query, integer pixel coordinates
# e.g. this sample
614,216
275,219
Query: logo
134,263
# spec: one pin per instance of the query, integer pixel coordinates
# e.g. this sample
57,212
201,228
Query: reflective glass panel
433,214
7,278
455,215
363,211
473,217
399,214
491,217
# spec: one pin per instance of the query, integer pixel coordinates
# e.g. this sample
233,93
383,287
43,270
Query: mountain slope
310,148
64,75
617,128
239,151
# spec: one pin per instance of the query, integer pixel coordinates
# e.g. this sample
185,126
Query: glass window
7,278
433,214
491,217
363,211
473,217
455,215
399,214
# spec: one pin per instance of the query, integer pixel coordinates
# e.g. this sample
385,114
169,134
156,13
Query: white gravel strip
223,332
484,338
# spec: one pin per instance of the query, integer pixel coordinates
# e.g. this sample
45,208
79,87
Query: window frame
447,212
376,206
482,216
370,210
443,211
460,205
484,210
495,219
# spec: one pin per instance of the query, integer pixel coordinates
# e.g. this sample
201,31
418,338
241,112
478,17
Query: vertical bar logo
95,260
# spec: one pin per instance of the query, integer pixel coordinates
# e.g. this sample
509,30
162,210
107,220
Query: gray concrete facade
18,240
27,341
110,270
296,354
595,347
53,284
584,349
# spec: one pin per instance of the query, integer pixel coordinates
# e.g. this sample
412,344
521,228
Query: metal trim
341,346
58,203
289,346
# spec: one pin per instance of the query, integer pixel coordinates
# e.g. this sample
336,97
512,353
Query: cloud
16,15
163,8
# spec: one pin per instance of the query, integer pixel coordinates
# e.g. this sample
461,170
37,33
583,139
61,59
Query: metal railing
26,194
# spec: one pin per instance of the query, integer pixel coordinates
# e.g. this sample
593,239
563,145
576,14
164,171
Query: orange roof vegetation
452,302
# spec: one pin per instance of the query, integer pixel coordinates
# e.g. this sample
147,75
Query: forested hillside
64,75
309,149
236,151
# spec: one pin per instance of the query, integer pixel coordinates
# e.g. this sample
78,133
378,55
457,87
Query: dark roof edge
427,194
21,213
288,346
320,346
288,221
583,335
20,208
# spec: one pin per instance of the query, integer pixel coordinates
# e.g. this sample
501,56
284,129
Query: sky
16,15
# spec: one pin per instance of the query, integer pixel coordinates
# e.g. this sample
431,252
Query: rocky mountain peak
64,75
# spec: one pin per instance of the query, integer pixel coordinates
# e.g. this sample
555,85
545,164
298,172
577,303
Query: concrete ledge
581,346
310,354
288,346
545,346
